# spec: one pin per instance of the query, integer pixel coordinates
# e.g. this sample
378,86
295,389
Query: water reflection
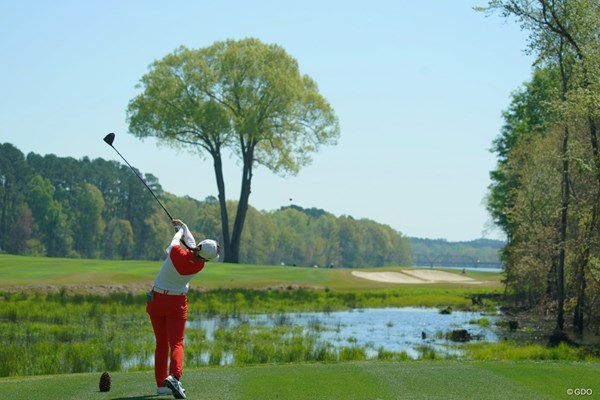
404,329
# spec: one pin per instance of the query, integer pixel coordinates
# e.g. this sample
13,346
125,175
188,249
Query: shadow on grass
137,397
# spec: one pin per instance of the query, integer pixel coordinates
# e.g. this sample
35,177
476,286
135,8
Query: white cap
209,249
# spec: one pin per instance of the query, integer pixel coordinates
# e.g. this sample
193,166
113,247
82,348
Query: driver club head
109,139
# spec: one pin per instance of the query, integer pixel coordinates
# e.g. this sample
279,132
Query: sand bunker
415,276
388,277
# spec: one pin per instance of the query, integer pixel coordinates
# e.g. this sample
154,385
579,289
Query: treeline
484,253
63,207
545,191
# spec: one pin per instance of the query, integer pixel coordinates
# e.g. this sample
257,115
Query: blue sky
418,87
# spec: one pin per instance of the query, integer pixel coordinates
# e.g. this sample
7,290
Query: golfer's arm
188,237
177,238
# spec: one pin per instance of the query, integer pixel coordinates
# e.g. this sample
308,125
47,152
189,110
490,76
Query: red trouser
168,315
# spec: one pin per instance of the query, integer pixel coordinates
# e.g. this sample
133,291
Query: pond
405,329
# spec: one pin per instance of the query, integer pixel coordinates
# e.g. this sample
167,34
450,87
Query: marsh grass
483,322
57,333
270,344
383,354
428,353
62,332
510,350
233,302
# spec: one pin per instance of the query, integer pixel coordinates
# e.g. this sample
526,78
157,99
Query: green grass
47,297
509,350
42,271
348,380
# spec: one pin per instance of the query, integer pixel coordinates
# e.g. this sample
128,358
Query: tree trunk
233,256
580,284
218,166
564,214
242,209
560,271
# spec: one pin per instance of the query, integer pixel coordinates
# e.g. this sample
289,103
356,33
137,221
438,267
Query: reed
234,302
509,350
56,333
63,332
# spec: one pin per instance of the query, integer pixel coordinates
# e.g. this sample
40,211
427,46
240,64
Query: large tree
245,96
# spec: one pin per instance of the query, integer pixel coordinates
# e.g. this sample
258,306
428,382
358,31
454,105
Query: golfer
167,305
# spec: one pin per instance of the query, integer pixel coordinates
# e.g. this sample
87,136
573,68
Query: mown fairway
352,380
41,271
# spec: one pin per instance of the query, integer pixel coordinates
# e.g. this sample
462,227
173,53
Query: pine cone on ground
104,382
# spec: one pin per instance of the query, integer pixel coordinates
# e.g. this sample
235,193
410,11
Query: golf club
109,139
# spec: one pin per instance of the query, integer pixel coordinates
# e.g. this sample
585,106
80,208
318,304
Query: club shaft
144,182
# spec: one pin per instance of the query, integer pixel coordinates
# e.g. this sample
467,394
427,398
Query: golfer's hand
177,223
